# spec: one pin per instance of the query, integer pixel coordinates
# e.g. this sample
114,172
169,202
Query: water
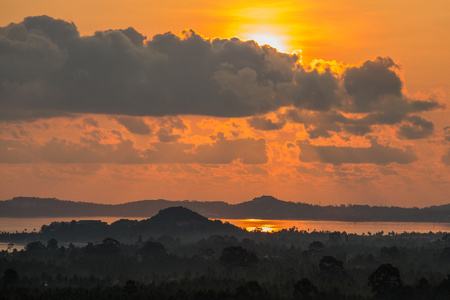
35,224
349,227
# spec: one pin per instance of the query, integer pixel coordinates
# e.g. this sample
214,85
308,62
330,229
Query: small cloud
165,135
414,128
262,123
134,125
387,171
375,154
446,158
90,121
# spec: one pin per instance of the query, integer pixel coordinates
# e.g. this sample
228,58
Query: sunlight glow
261,229
268,39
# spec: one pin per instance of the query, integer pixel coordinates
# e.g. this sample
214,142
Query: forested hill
265,207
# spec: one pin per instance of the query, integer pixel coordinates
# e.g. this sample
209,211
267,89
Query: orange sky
363,137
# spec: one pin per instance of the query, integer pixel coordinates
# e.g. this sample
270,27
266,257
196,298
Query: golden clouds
196,118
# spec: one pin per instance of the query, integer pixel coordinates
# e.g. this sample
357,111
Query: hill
176,222
264,207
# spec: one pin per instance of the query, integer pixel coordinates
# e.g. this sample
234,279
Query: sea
34,225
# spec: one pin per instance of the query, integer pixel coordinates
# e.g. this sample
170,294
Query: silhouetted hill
264,207
176,222
268,207
177,216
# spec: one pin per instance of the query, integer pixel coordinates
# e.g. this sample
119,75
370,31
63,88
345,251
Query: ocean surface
35,224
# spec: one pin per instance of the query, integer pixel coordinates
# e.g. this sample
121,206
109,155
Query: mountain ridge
263,207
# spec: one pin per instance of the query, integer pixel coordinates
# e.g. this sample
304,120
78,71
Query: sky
323,102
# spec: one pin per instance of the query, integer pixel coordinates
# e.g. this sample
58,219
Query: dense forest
264,207
210,263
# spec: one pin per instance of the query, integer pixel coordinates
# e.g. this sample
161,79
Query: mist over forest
179,254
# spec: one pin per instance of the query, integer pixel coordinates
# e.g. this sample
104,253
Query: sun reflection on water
261,225
257,225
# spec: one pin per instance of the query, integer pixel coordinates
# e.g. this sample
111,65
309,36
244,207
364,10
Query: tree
335,237
446,239
251,290
316,246
385,280
391,253
10,276
304,289
52,244
329,264
154,250
34,247
109,246
236,256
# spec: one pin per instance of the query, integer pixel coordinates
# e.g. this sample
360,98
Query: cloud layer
93,150
375,154
48,69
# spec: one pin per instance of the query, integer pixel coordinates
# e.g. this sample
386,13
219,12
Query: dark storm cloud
134,125
47,69
375,154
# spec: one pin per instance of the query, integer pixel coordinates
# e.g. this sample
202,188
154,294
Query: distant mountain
264,207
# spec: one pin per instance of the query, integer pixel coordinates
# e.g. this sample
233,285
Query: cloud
313,90
167,127
249,151
375,154
415,128
262,123
446,158
222,151
90,121
372,81
92,150
320,124
12,151
50,70
447,133
134,125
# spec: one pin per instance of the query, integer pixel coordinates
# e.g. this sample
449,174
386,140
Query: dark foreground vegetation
289,264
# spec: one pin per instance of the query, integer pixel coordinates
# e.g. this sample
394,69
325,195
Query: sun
268,39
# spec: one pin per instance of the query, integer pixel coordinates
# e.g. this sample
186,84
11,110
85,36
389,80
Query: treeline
289,264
